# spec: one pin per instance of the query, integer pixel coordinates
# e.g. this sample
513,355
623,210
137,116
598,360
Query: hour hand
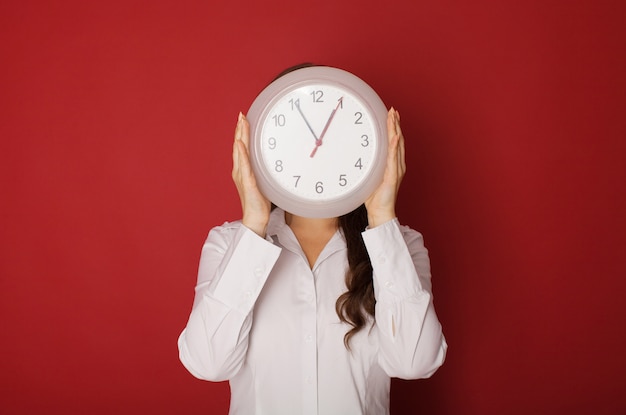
297,104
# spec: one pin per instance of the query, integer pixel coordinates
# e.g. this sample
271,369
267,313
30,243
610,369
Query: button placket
309,342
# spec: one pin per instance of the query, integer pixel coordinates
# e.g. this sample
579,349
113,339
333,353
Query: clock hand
297,104
319,142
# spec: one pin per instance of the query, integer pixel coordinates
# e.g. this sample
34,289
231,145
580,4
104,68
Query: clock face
318,141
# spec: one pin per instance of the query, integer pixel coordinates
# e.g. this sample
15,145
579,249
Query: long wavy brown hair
356,305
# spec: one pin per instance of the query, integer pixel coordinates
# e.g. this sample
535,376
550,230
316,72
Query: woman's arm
234,266
411,341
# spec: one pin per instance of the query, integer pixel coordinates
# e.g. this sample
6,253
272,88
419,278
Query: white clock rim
277,90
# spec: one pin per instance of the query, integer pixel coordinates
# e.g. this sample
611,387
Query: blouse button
388,284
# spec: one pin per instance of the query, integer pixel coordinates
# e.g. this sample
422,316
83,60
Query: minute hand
319,142
306,121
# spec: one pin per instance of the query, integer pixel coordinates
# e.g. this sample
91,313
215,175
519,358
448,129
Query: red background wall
116,122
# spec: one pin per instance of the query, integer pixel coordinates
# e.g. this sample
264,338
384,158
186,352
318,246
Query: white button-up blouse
266,321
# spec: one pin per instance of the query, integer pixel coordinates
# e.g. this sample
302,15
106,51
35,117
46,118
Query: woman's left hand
381,205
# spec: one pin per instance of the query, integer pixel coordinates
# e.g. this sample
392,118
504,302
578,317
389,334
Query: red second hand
319,142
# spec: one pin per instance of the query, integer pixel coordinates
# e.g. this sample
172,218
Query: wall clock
318,141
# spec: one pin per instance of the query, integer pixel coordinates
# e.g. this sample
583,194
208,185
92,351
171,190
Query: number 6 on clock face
318,141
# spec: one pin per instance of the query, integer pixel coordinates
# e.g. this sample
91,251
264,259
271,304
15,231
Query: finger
235,146
244,163
392,150
392,170
401,148
235,169
244,155
238,128
401,164
245,131
391,124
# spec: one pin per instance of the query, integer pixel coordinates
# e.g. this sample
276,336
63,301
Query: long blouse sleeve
411,341
234,265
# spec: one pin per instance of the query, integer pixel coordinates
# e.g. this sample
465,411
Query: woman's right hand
255,206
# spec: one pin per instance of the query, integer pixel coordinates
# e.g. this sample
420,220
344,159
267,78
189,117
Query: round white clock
318,141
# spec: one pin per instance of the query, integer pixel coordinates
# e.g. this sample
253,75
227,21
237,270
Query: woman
294,314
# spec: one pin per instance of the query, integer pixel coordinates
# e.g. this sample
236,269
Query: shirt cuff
395,275
244,272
